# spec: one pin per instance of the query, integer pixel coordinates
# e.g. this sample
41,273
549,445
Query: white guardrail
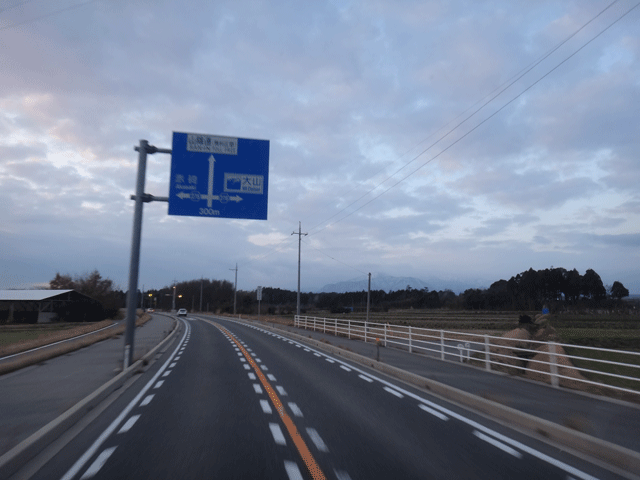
522,355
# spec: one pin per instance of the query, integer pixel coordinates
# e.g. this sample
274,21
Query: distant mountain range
390,283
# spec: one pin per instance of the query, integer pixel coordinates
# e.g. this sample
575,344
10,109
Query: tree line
555,288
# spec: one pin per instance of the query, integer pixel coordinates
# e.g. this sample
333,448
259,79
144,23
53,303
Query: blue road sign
215,176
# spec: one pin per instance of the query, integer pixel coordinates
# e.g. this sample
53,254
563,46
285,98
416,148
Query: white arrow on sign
224,198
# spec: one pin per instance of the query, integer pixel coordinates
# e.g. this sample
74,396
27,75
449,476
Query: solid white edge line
557,463
278,436
293,472
90,452
497,444
98,463
129,423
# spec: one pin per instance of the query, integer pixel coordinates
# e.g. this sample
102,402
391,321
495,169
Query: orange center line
303,450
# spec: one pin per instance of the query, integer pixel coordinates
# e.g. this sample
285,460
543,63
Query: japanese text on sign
212,144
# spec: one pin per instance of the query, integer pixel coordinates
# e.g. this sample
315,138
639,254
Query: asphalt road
229,400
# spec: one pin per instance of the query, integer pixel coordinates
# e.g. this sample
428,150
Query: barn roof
33,295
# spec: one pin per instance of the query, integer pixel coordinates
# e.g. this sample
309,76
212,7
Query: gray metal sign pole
140,197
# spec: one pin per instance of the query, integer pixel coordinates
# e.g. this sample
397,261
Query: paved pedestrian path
34,396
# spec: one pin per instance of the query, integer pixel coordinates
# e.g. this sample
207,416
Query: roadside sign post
259,295
211,176
140,197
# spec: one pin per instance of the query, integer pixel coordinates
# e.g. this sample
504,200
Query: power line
334,259
501,89
46,15
481,123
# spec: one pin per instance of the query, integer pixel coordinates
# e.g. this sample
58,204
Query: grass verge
39,356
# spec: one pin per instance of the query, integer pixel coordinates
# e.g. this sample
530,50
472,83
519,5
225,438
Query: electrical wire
484,120
46,15
502,89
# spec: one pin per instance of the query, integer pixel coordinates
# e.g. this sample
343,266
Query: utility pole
300,234
235,289
173,305
368,297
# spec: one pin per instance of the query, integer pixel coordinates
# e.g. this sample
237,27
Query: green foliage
94,286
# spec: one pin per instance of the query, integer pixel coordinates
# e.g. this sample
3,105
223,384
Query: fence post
385,334
335,329
441,344
410,349
487,354
324,325
553,366
349,328
365,332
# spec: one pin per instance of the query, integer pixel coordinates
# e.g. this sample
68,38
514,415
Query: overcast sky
453,139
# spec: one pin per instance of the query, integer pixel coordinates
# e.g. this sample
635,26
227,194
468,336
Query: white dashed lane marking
147,400
295,409
98,463
317,440
496,443
266,408
393,392
127,426
293,472
281,390
278,436
366,378
433,412
257,388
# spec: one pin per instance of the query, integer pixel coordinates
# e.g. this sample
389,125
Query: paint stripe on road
266,408
496,443
278,436
393,392
293,472
257,388
317,440
433,412
346,369
147,400
295,409
98,463
128,424
281,390
159,384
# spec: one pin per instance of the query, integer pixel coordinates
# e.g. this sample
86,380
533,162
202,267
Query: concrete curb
602,450
22,453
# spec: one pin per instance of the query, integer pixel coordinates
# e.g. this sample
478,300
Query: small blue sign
216,176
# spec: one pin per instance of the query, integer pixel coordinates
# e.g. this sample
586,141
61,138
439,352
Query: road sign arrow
236,198
183,195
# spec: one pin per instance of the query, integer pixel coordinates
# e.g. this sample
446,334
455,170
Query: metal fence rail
517,354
